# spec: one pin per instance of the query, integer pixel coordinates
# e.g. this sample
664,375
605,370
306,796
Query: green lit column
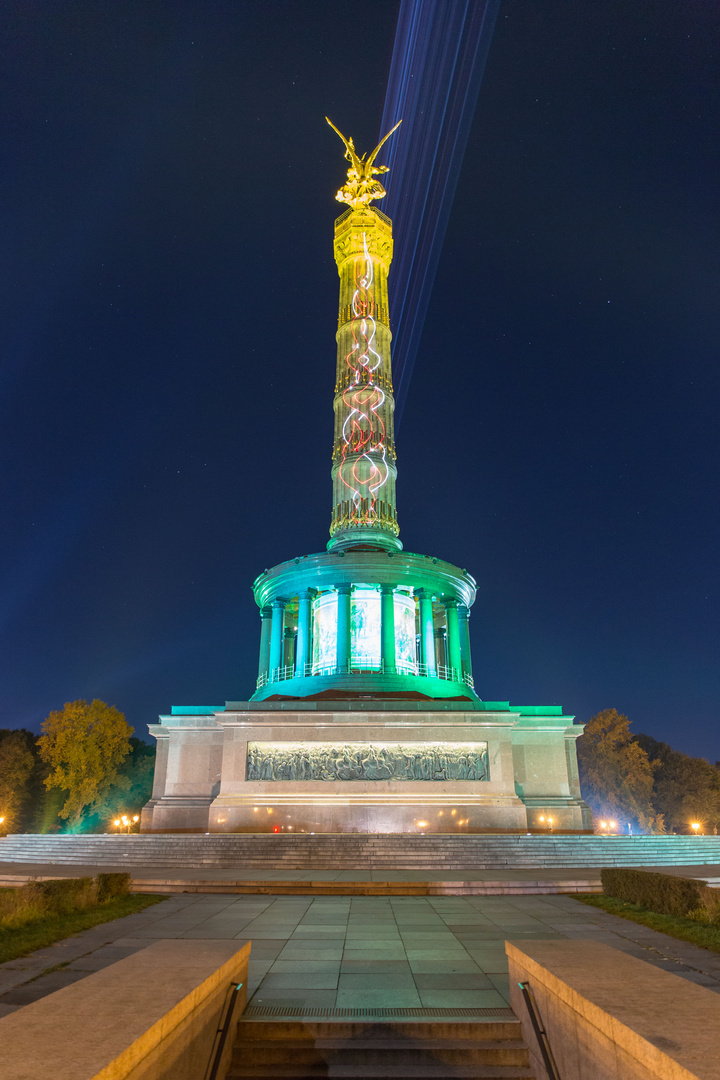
343,626
387,627
303,649
427,633
463,616
289,647
453,630
276,634
264,663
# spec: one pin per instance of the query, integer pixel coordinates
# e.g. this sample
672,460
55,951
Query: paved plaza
357,952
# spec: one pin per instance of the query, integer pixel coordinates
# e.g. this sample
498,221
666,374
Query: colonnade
283,647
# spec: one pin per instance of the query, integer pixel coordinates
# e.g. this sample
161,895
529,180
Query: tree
17,763
616,774
133,786
686,788
85,746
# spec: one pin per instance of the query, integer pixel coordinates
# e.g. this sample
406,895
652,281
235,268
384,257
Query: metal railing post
540,1032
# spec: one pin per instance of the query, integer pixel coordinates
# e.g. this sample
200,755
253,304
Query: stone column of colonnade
427,631
463,617
343,641
303,648
265,623
277,629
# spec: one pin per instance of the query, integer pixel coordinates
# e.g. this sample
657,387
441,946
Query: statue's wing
372,157
352,156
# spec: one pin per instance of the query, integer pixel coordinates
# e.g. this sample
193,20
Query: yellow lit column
364,462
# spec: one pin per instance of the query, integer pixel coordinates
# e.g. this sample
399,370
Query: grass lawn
19,941
707,937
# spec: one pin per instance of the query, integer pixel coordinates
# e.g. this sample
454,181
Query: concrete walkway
357,952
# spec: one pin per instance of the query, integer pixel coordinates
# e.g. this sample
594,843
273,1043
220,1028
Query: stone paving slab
373,952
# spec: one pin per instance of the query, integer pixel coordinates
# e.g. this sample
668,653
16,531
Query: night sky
169,302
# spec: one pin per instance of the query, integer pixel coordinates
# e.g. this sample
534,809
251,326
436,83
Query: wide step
292,1050
447,855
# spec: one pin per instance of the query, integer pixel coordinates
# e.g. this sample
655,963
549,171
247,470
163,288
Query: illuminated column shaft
364,469
453,633
344,631
464,629
387,627
427,633
276,634
264,662
303,649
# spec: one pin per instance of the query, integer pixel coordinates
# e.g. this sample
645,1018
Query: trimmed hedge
663,893
111,885
59,896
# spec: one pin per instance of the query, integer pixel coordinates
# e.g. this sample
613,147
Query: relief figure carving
367,761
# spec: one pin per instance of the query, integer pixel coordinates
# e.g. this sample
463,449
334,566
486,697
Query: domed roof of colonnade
328,569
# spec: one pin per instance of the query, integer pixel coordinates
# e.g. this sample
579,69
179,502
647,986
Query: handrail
363,666
540,1032
223,1031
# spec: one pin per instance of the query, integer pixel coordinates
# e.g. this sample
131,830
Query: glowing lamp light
603,824
116,822
695,826
276,828
421,824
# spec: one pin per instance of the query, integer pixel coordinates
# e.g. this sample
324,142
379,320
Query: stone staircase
433,853
358,1050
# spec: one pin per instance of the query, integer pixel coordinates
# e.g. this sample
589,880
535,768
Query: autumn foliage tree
616,774
84,747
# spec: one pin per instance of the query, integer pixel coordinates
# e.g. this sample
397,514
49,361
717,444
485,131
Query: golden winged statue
362,187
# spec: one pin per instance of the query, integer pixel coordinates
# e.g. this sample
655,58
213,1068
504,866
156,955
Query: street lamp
125,822
695,826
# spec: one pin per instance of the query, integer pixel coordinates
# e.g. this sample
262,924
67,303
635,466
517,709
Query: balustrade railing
364,666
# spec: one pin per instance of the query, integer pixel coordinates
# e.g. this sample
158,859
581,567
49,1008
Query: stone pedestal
367,767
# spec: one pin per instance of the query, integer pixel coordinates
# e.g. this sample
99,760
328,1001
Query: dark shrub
112,885
663,893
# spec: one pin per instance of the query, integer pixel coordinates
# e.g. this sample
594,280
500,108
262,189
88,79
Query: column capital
452,602
266,612
386,590
280,602
463,611
343,590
